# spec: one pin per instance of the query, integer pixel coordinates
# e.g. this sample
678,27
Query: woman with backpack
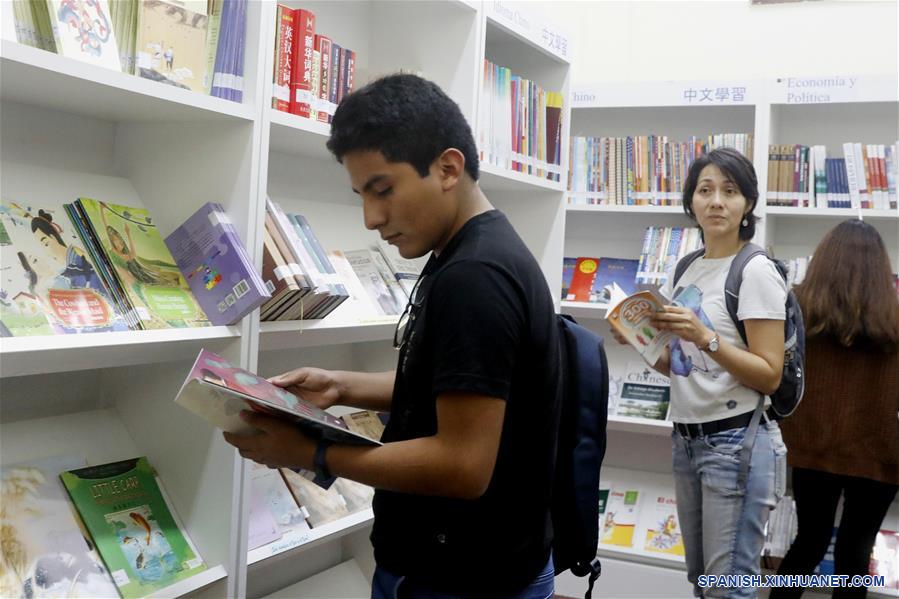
728,455
844,437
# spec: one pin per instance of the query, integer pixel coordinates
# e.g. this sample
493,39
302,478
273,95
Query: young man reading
464,477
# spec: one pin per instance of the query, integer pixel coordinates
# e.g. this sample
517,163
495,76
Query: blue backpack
579,451
786,399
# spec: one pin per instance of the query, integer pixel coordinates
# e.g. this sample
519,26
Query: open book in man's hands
630,315
219,391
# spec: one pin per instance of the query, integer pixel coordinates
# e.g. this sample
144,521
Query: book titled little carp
132,526
218,391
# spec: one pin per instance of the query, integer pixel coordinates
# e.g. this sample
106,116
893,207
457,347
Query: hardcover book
218,391
141,265
84,31
46,551
620,271
581,287
215,263
132,525
49,284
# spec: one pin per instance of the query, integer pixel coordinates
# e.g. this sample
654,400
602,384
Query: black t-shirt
486,325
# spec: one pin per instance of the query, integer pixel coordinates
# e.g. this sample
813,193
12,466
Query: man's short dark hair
407,119
735,167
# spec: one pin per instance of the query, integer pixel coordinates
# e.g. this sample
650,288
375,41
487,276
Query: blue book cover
567,274
614,270
211,257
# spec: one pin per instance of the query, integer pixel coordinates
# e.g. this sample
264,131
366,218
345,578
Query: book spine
323,47
301,71
285,40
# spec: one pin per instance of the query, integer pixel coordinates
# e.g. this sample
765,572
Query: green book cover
143,266
136,534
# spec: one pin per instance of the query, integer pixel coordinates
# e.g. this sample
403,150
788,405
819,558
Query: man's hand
684,323
275,444
321,387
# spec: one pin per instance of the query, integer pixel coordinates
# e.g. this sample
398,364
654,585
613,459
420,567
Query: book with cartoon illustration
630,316
48,283
218,391
133,527
619,521
663,535
138,264
84,31
46,551
273,510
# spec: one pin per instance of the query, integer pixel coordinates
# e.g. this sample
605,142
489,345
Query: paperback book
84,31
48,283
631,316
216,265
663,534
620,517
322,505
644,393
171,43
218,391
47,552
133,526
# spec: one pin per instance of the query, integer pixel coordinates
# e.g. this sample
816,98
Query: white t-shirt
701,390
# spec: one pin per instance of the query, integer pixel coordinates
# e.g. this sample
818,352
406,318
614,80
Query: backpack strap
734,281
683,264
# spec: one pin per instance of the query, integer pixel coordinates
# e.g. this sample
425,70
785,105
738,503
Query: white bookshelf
637,449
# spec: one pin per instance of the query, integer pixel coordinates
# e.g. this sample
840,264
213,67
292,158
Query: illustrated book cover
132,524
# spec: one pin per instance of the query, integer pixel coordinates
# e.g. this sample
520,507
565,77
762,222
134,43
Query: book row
312,72
803,176
636,518
639,170
520,125
192,45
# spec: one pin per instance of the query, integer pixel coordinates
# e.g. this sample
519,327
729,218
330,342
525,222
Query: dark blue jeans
390,586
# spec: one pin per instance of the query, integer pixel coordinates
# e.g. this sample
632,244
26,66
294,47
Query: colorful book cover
218,391
581,284
285,32
663,534
568,265
365,422
620,519
631,317
321,505
46,551
644,393
84,31
143,265
136,534
215,263
614,270
48,284
171,43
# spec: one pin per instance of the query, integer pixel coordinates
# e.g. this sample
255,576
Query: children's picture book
663,535
140,264
270,495
620,271
48,283
171,43
356,496
321,505
47,552
644,393
631,315
620,518
261,528
136,533
84,31
215,263
218,391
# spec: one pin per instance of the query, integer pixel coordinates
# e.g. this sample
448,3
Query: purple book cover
212,259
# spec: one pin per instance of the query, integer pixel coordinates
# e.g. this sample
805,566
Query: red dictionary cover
301,74
285,36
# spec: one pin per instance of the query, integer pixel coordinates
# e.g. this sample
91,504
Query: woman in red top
843,439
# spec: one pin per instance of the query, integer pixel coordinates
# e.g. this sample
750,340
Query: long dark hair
44,222
848,291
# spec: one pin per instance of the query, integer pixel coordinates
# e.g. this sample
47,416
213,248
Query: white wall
725,39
